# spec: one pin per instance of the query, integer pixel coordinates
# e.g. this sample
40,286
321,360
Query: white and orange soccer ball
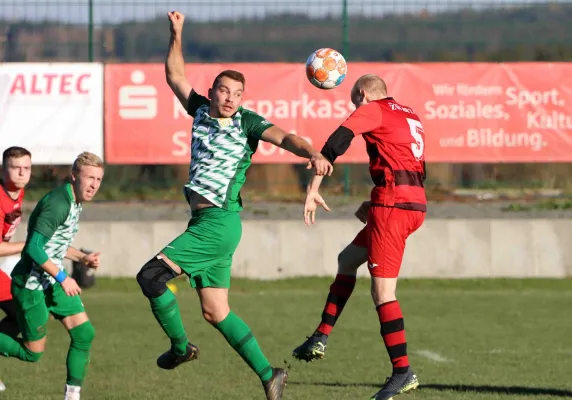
326,68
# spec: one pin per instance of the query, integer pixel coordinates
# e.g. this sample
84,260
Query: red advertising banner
471,112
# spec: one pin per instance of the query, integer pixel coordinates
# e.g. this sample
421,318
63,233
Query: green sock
10,347
166,311
240,337
78,353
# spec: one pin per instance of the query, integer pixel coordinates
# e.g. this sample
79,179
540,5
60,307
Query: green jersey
221,152
56,217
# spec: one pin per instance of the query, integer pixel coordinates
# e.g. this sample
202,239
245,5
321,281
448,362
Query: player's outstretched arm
336,145
313,200
364,119
175,63
10,249
298,146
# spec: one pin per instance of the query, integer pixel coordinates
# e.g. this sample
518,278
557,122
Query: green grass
544,205
502,339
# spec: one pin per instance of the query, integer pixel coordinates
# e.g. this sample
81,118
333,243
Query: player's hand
321,165
177,20
313,200
362,211
71,287
91,260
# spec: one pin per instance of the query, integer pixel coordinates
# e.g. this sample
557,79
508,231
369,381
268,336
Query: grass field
483,339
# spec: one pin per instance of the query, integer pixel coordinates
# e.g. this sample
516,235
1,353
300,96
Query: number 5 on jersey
416,130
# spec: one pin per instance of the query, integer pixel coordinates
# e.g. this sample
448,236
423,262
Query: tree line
534,33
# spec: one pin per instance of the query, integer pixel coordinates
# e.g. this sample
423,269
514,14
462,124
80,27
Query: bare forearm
175,63
50,268
298,146
314,184
74,254
10,249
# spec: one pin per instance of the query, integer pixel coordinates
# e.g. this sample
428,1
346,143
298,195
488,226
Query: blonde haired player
40,284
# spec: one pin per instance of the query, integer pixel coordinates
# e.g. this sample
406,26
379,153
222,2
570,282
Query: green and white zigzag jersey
56,217
221,152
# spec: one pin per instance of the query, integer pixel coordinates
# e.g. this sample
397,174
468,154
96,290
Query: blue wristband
61,276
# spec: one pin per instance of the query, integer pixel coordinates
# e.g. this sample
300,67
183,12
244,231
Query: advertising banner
53,110
471,112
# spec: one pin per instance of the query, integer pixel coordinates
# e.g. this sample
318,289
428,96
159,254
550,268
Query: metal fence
115,31
284,30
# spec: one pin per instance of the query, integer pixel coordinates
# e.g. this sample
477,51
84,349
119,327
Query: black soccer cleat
274,387
314,348
168,360
397,384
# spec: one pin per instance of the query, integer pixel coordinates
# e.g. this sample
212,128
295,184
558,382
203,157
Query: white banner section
54,110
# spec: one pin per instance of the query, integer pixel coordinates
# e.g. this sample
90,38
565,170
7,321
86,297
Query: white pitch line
431,355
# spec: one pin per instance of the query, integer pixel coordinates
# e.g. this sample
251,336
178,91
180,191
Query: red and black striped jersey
395,144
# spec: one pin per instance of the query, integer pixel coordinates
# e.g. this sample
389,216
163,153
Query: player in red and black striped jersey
16,172
394,138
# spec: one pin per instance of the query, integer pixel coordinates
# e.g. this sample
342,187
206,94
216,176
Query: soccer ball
326,68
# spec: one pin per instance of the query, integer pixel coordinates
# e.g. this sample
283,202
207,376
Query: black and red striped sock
340,292
393,333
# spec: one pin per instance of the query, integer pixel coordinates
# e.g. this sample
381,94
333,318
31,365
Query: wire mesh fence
283,30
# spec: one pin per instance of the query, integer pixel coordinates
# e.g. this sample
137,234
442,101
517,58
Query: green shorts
33,307
204,251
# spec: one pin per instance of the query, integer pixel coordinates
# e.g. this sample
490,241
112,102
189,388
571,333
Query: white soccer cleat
2,386
72,392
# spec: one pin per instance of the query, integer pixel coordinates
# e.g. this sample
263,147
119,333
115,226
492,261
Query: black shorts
9,307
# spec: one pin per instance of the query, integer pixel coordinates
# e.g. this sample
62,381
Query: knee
344,266
383,290
215,315
88,332
142,280
153,277
82,335
350,259
31,356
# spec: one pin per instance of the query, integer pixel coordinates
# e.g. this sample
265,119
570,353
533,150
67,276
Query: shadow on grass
514,390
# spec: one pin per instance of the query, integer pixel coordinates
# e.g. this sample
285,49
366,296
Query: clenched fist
177,20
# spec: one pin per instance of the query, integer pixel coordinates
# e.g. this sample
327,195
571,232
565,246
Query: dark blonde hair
86,159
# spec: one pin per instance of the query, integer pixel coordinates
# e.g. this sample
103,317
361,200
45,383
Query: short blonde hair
372,84
86,159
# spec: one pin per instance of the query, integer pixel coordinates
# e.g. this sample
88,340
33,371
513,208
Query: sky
105,11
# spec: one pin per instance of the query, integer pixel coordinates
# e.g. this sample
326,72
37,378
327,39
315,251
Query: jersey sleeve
35,248
195,101
2,217
254,125
364,119
53,212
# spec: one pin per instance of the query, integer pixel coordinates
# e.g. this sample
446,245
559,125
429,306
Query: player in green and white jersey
224,138
40,284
